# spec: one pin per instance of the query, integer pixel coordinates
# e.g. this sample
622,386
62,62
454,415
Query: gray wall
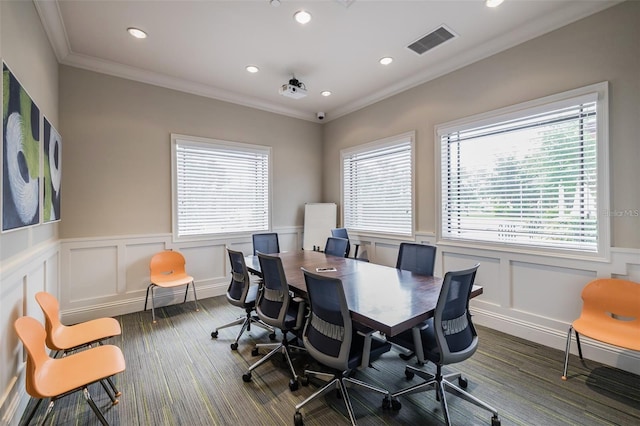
117,156
602,47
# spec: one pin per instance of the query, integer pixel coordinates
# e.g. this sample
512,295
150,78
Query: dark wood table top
380,297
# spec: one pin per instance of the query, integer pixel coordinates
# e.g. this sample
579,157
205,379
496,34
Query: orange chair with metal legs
167,271
610,314
54,378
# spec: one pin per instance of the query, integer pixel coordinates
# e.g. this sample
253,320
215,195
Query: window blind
378,187
530,180
220,188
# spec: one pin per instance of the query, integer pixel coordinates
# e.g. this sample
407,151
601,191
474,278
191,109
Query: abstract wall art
52,156
20,155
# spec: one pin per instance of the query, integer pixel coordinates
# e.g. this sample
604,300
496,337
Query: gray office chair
342,233
266,243
420,259
448,338
276,307
242,293
336,247
330,339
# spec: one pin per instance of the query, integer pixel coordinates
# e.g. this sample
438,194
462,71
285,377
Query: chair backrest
418,258
166,263
273,300
266,243
336,247
240,283
328,332
51,310
33,337
455,334
342,233
611,299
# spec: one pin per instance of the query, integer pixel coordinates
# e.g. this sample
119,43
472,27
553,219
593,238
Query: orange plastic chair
610,314
54,378
167,270
64,338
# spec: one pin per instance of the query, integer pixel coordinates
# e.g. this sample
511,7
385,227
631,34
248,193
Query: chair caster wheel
255,352
293,385
463,382
304,380
495,421
272,336
234,346
246,377
297,419
214,334
409,374
395,405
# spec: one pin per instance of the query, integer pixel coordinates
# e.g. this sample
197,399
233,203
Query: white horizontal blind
378,187
220,188
528,181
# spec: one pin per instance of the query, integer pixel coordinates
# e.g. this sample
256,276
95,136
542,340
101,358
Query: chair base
246,322
152,287
282,347
441,384
339,383
568,349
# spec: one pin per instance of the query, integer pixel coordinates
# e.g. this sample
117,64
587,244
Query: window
219,187
532,175
377,186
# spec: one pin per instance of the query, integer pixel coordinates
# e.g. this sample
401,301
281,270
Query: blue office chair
330,339
242,293
448,338
420,259
266,243
276,307
336,247
342,233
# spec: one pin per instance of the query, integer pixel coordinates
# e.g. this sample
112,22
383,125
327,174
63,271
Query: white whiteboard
319,220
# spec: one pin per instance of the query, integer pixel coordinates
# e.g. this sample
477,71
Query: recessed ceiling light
302,16
325,93
493,3
252,69
136,32
275,3
386,60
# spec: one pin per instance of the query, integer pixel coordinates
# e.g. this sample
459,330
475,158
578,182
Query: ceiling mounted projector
294,89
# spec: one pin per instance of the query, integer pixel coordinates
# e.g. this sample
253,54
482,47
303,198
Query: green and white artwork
20,155
52,156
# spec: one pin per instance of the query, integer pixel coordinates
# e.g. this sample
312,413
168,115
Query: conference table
380,297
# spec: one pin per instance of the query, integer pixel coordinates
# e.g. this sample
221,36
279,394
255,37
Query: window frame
377,144
213,144
521,110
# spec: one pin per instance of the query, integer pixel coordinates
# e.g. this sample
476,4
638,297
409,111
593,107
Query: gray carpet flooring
178,375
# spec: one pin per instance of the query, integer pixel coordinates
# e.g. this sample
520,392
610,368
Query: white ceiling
203,47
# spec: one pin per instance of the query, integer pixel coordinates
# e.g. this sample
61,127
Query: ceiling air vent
431,40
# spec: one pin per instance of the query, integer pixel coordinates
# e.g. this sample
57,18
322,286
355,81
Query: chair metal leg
566,354
146,299
94,407
153,306
113,399
195,298
347,402
32,413
578,343
116,392
185,293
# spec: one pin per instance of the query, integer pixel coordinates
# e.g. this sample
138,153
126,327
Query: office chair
336,247
53,378
266,243
167,271
420,259
330,339
276,307
342,233
448,338
610,314
242,293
